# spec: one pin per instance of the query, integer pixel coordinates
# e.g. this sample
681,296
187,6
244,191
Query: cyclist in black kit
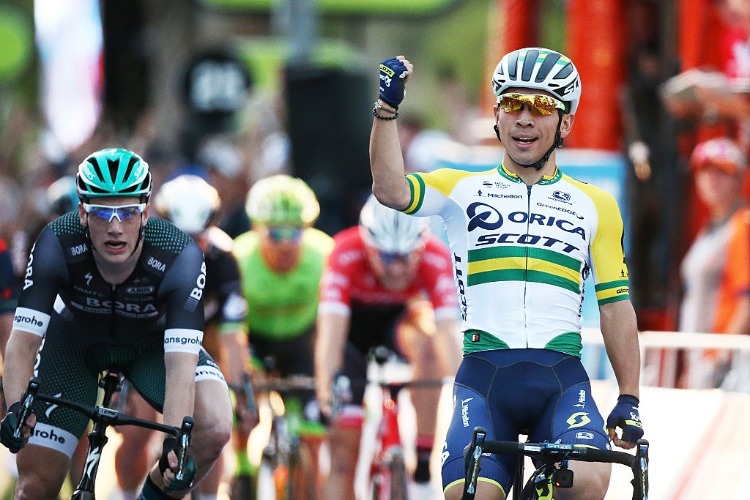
189,202
107,287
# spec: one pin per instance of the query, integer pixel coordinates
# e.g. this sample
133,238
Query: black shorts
69,364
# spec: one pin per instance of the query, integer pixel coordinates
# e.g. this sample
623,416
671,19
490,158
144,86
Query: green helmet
113,172
282,200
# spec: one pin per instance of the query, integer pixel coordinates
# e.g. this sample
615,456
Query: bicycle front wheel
389,480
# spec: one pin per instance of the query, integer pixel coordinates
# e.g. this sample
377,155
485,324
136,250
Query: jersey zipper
112,316
526,268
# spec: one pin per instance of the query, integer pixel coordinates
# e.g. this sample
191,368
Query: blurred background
241,89
251,87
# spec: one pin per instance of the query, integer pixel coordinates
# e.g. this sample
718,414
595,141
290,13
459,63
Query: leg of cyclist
61,366
419,338
344,436
133,458
41,472
213,424
345,433
571,425
212,414
416,345
590,482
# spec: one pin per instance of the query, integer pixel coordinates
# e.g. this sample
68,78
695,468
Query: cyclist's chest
136,298
266,290
512,219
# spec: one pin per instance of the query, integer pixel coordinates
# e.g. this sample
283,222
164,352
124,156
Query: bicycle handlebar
106,416
559,452
553,453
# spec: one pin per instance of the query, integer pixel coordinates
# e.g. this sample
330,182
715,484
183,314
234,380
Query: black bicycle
103,417
551,461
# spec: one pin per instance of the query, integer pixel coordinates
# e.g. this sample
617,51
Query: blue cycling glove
8,427
392,75
172,444
625,416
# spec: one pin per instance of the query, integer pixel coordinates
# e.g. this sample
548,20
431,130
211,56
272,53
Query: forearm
387,164
20,354
620,332
235,349
179,397
330,343
448,346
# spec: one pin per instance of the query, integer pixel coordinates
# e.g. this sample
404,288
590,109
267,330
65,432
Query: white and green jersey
522,253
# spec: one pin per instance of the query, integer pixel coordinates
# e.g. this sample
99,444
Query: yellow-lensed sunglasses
539,104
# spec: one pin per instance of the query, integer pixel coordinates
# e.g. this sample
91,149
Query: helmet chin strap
539,164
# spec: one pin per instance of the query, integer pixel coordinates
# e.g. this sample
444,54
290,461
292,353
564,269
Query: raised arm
386,160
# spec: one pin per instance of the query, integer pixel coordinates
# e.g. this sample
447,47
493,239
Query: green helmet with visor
282,200
113,172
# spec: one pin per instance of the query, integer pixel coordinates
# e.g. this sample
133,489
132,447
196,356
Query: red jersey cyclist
387,282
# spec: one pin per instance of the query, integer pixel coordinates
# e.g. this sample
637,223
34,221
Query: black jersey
224,303
161,296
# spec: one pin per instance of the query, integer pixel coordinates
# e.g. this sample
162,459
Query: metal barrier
680,359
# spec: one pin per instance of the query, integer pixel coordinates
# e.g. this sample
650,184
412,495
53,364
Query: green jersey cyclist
524,237
108,287
281,262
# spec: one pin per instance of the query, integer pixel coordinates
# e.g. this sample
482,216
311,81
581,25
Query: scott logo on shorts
578,419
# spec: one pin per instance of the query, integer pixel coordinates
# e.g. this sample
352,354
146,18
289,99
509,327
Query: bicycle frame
283,451
104,417
388,470
550,454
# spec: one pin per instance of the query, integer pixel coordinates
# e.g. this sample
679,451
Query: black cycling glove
8,427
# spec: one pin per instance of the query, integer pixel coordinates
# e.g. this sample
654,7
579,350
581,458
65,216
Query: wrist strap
379,107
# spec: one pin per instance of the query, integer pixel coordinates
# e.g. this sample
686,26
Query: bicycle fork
388,469
97,440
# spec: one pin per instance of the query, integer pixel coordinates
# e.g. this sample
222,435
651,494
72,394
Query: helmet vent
129,169
547,65
512,65
528,65
565,71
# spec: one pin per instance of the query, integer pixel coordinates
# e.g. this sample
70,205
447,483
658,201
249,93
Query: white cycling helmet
389,230
541,69
188,201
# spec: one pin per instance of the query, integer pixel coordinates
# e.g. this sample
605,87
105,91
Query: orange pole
513,26
596,44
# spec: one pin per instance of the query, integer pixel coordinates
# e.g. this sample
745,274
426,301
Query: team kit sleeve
335,283
429,193
232,302
607,252
46,272
183,288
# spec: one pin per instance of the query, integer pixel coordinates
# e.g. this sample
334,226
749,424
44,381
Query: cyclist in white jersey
524,237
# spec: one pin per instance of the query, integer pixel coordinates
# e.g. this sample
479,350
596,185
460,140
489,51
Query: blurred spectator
8,298
716,269
227,174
